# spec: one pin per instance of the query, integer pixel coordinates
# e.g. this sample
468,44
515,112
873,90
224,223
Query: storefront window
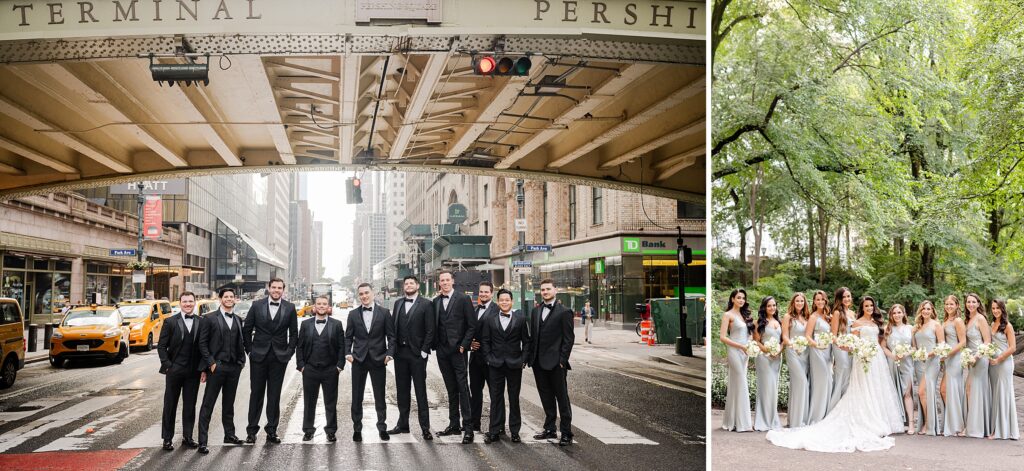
14,261
61,290
13,286
42,293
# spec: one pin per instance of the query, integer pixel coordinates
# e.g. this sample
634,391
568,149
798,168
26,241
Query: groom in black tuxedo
179,362
270,331
223,357
320,357
505,345
370,340
553,336
452,342
478,371
414,334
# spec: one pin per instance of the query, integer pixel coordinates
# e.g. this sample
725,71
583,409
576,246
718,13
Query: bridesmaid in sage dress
1004,409
766,407
794,324
820,359
898,332
927,333
735,333
979,390
954,396
842,317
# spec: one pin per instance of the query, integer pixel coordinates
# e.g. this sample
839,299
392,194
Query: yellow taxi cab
88,333
175,307
146,318
12,341
204,306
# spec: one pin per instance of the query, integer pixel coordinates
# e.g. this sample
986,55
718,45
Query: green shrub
720,385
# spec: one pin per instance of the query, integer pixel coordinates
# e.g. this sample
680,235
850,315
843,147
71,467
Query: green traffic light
523,65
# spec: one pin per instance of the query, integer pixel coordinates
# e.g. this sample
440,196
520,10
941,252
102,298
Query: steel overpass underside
607,111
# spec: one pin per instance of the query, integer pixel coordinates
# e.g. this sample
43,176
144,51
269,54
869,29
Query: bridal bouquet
848,341
800,344
967,358
773,346
920,354
823,339
942,349
902,350
753,349
988,350
865,351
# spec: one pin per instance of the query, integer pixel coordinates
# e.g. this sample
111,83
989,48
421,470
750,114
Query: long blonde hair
956,312
918,317
888,323
791,309
826,311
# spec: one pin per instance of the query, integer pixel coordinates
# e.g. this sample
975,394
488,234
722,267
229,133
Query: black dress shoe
428,436
273,438
396,431
501,432
331,437
189,443
384,436
449,431
545,435
168,446
357,437
233,440
515,438
476,428
250,439
307,437
565,441
467,438
204,450
491,438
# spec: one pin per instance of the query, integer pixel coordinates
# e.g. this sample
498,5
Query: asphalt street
629,412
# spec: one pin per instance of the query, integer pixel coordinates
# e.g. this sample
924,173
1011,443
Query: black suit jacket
502,347
335,336
420,323
172,341
369,345
211,339
456,322
276,337
552,343
492,310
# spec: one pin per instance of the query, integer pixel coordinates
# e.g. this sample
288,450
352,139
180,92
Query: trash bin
665,313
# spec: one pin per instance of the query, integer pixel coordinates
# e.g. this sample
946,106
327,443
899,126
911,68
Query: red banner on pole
152,217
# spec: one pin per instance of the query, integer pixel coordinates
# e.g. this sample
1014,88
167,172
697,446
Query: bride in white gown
868,413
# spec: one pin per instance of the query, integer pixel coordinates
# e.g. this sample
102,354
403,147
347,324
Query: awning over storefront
262,252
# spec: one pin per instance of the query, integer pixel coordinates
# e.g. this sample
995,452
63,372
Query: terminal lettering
125,10
660,15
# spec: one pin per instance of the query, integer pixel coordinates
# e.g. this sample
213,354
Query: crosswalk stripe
592,424
31,408
82,438
64,417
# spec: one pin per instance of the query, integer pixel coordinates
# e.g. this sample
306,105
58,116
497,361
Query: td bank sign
638,245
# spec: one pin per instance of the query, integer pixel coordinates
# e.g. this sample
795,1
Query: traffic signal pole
683,346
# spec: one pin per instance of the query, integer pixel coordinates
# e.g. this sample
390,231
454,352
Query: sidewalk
41,353
626,342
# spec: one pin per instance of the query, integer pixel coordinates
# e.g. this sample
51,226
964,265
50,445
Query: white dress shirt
273,309
227,318
319,327
481,310
367,317
445,301
505,321
188,322
544,313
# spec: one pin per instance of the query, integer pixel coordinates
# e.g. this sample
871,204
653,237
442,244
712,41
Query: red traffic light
484,65
355,182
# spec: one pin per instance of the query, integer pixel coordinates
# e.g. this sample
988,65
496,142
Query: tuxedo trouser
478,379
313,380
411,371
377,376
184,383
453,371
498,376
265,377
224,380
552,388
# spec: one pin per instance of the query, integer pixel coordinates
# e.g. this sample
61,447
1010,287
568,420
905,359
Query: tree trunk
756,223
742,229
810,245
995,226
823,224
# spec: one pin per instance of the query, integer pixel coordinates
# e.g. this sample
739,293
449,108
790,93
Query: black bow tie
444,296
321,322
229,314
506,314
189,316
364,308
550,307
274,304
482,306
410,300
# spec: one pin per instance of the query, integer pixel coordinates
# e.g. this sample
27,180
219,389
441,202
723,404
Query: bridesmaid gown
929,418
821,376
956,397
903,371
766,407
979,401
737,396
1004,409
841,377
799,386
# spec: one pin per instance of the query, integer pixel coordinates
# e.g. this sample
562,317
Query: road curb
29,361
665,360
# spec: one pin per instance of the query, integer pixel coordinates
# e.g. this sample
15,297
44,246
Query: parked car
12,341
88,333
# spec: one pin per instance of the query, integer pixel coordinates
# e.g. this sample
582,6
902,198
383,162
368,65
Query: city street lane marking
30,408
81,439
42,425
590,423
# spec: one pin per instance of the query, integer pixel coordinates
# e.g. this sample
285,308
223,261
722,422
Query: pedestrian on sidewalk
587,318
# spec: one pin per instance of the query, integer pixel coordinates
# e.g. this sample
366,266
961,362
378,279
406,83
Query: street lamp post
520,201
683,346
139,257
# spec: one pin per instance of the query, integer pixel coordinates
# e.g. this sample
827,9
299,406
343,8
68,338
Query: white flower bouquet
773,346
865,351
920,354
823,339
848,341
902,350
942,349
753,349
988,350
800,344
967,358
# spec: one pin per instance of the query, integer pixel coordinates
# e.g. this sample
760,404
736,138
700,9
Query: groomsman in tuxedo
270,331
179,362
223,357
505,344
414,334
370,340
552,328
320,357
452,342
478,371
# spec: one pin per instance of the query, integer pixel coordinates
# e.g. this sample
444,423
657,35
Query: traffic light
502,66
353,191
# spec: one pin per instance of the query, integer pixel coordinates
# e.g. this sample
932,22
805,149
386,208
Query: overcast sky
327,201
